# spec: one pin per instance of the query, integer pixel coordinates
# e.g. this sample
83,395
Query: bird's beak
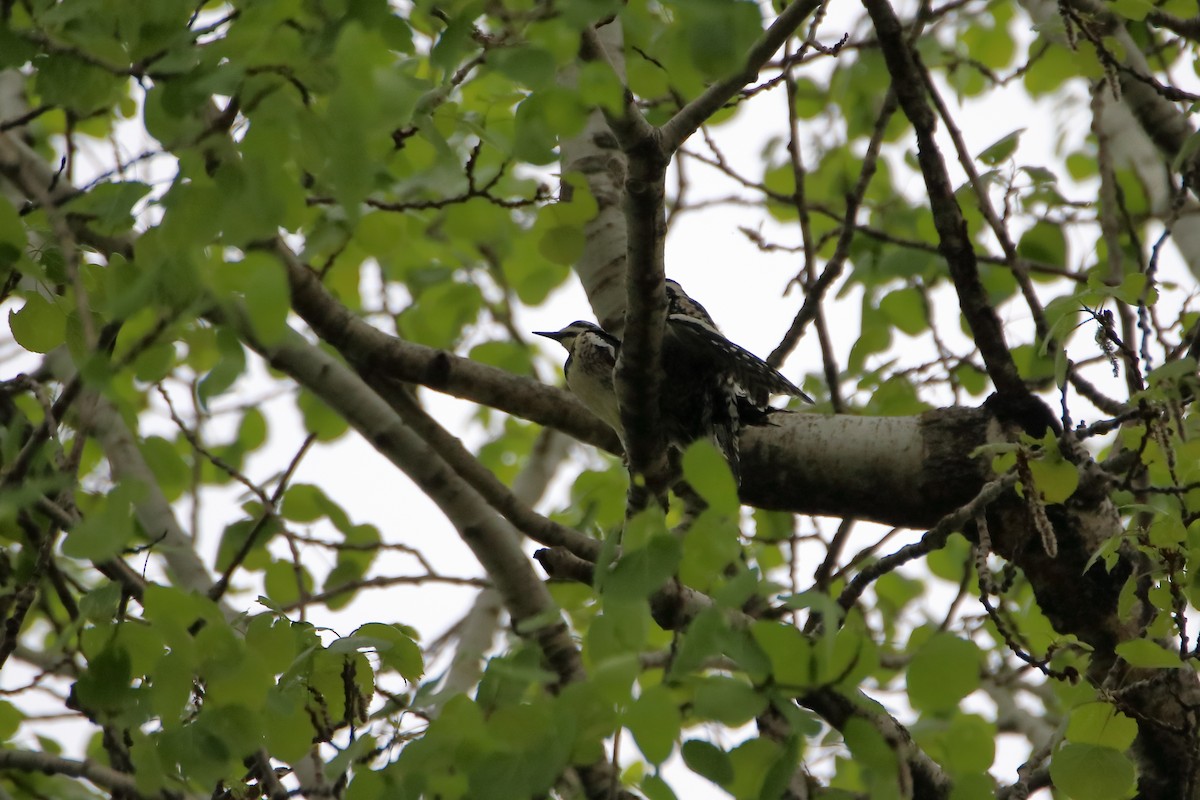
555,335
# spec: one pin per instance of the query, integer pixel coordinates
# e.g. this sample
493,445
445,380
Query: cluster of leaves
402,156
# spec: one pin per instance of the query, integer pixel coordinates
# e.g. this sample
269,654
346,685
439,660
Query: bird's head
567,336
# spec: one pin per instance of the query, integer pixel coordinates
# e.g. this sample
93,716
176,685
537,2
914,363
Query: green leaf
701,641
708,473
441,312
171,607
144,646
541,119
303,502
39,326
655,788
238,728
1145,653
229,367
274,640
234,537
107,526
708,761
109,206
289,728
904,262
717,34
452,45
252,431
1002,149
1056,477
396,649
319,418
1040,175
1172,371
100,604
1102,725
167,465
973,786
752,762
509,677
869,747
67,80
710,545
1088,772
943,671
655,721
969,745
1047,73
561,245
529,65
10,720
906,309
949,562
1167,531
1045,242
727,700
264,287
105,687
641,572
283,580
849,656
1135,10
789,652
12,235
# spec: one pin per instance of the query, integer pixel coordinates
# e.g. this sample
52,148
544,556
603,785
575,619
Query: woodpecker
695,331
695,400
711,386
681,304
591,359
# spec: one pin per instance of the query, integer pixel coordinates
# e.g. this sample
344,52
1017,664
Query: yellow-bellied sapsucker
736,384
591,358
710,385
754,377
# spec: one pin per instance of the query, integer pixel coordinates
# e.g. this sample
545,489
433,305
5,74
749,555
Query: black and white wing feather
750,372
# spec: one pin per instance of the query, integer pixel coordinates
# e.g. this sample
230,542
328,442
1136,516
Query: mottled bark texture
911,471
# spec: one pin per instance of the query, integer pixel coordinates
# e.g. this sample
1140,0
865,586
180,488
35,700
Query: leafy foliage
234,236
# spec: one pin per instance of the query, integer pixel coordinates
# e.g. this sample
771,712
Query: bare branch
104,777
955,243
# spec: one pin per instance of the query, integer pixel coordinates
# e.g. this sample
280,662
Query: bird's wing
750,371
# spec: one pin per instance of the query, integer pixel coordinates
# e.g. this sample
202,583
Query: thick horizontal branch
102,776
374,351
905,471
888,469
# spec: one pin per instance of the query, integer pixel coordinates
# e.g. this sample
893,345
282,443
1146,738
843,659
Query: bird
681,304
694,402
591,358
694,328
711,386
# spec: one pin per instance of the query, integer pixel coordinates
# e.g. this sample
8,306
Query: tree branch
689,118
376,352
102,776
493,540
955,241
638,373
